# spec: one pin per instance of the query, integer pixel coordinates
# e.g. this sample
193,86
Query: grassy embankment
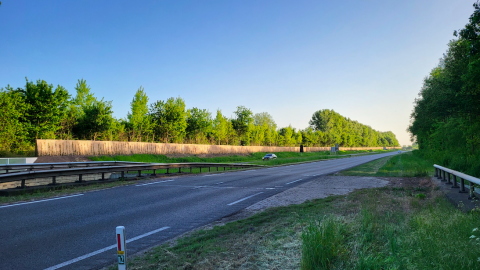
384,228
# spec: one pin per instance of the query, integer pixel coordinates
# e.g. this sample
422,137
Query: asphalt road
78,231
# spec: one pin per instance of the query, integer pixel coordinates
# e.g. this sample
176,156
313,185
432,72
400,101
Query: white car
269,156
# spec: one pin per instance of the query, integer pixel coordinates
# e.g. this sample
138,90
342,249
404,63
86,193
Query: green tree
97,120
199,123
170,119
220,128
241,124
13,136
138,118
46,109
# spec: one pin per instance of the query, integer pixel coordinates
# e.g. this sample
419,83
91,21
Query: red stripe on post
118,242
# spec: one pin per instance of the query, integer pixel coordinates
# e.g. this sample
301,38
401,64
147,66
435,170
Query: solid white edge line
16,204
293,182
102,250
235,202
154,183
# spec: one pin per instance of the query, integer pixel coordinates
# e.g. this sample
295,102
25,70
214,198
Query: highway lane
78,232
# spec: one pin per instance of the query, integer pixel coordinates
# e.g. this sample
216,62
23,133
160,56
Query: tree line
42,111
445,119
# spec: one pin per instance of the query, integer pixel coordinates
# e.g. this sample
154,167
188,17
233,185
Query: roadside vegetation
41,111
407,227
410,164
445,121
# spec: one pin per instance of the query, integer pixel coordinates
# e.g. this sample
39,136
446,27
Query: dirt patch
409,182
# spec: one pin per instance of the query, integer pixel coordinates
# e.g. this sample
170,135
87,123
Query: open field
406,225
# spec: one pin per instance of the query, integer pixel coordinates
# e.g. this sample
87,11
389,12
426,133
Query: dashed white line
241,200
103,250
219,183
293,182
16,204
154,183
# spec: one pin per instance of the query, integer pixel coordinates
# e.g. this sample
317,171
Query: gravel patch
317,189
321,187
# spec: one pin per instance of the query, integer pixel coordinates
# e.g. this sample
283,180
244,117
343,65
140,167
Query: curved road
78,231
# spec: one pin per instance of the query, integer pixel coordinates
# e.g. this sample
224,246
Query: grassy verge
254,158
408,164
411,227
387,228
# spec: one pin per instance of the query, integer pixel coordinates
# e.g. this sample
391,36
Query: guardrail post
168,171
54,180
455,182
23,183
139,173
439,174
436,172
103,176
190,169
154,174
122,175
208,168
443,177
462,186
449,182
79,178
224,168
180,170
471,195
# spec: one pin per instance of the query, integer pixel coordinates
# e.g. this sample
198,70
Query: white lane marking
278,186
102,250
213,174
10,205
241,200
293,182
146,234
219,183
154,183
269,188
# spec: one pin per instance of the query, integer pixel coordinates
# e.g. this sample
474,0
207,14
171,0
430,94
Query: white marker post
121,248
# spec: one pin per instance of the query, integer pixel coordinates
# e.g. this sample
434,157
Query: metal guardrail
7,168
121,167
445,175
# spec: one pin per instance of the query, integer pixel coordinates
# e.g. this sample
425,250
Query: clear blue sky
364,59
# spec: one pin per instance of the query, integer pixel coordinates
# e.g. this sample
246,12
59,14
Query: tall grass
323,243
409,164
428,234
